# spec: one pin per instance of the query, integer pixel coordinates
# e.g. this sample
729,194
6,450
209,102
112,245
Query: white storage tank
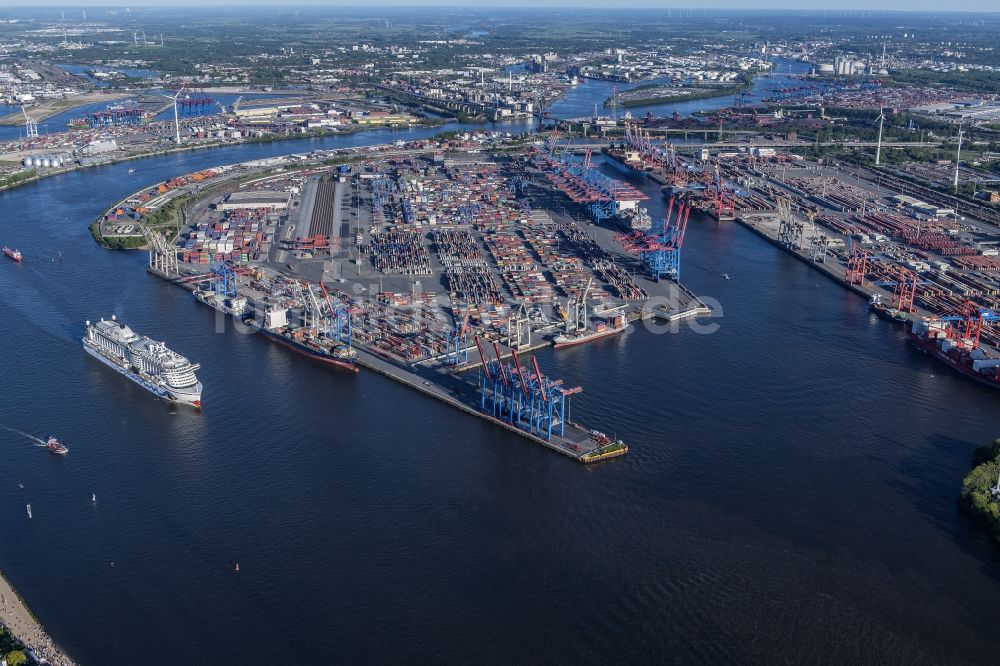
26,162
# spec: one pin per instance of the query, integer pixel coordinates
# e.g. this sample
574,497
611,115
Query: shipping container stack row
834,193
238,237
454,196
519,270
568,271
400,251
410,336
467,271
601,263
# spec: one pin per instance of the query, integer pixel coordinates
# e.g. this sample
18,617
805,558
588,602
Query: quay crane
602,196
660,247
904,283
339,322
857,265
458,342
527,400
577,309
724,208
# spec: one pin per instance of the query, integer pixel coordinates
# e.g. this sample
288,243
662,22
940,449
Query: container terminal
444,270
441,273
923,258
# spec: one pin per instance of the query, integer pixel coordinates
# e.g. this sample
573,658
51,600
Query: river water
789,495
578,102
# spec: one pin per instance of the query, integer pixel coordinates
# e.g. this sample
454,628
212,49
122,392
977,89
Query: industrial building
255,200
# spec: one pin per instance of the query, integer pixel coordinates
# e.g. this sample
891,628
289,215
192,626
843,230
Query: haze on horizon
739,5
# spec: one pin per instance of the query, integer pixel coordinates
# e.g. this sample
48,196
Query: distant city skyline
846,5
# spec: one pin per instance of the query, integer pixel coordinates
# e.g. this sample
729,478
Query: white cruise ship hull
190,396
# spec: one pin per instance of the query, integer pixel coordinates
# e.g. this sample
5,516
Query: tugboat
56,447
13,254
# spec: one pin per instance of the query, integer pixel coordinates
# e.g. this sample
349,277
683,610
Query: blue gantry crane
660,247
522,398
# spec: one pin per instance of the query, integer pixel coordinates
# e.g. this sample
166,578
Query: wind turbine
958,156
177,122
881,120
30,126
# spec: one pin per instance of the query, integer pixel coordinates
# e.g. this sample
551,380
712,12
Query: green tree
977,487
16,658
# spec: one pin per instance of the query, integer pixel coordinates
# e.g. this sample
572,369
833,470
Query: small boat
131,170
28,507
55,446
13,254
20,486
93,497
725,276
237,567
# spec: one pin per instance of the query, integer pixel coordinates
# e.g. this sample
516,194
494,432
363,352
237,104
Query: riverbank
41,175
981,488
16,616
53,107
669,95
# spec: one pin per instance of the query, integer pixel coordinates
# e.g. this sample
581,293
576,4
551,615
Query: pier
343,263
441,383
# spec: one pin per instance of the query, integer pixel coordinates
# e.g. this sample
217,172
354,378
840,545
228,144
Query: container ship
636,218
13,254
626,161
882,310
148,363
570,338
233,305
302,340
931,337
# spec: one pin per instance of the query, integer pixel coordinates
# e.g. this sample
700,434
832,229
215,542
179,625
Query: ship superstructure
145,361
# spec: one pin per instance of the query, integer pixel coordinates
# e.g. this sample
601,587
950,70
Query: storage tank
37,162
46,162
26,162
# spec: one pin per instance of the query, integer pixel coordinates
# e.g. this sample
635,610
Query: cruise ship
148,363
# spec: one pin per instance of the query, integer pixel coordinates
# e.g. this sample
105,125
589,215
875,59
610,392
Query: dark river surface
789,496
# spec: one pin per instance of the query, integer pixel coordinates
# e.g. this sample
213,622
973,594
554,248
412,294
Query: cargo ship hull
561,342
928,346
889,314
306,350
623,167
